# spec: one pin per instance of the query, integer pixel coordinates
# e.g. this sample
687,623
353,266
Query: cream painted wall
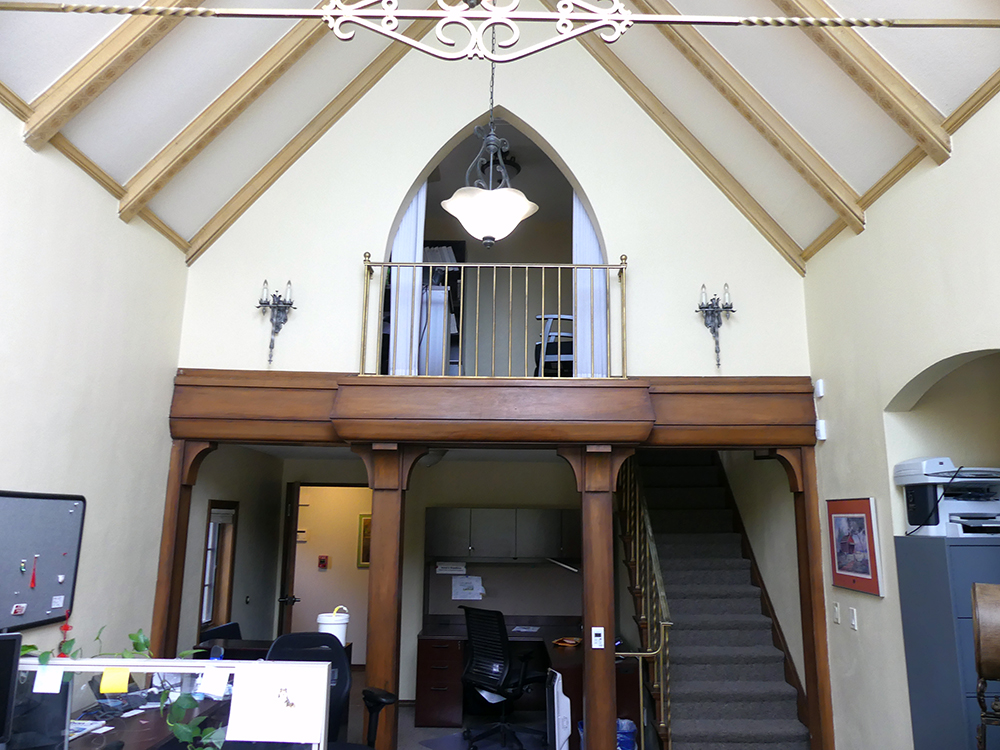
89,346
882,307
253,480
768,513
329,516
342,198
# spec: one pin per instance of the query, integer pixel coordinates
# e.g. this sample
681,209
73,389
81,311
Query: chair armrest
377,697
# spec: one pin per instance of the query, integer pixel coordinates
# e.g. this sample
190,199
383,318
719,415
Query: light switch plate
854,618
597,637
836,613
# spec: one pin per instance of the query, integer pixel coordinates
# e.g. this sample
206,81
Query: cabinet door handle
439,666
440,645
439,689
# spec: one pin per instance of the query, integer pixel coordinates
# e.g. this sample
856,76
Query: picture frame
364,540
854,548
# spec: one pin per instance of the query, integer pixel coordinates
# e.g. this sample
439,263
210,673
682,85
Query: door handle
288,599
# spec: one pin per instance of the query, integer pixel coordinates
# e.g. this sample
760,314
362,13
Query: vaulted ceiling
802,129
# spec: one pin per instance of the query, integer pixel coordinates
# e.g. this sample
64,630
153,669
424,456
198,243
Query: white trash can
335,623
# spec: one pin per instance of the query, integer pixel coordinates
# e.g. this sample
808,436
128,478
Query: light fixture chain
493,71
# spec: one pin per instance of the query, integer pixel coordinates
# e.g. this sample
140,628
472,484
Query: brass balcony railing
511,320
651,609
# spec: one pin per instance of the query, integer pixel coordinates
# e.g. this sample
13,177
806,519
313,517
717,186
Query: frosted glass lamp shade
489,215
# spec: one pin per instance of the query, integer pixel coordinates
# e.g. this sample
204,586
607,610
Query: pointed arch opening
540,302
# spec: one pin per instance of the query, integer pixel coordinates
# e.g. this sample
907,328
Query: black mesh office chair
327,647
491,667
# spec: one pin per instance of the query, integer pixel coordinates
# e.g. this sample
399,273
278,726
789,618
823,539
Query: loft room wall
253,481
89,346
882,308
344,197
330,516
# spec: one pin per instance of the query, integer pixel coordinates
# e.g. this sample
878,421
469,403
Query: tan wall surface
343,197
253,480
89,349
882,307
329,516
766,508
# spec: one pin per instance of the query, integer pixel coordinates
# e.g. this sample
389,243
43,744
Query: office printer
945,500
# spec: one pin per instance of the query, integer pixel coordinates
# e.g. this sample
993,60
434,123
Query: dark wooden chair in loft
986,636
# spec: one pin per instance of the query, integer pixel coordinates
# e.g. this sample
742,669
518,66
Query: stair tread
681,654
710,590
716,537
743,730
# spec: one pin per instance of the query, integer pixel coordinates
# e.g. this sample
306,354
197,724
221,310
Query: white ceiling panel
945,65
171,85
809,90
730,138
204,186
37,48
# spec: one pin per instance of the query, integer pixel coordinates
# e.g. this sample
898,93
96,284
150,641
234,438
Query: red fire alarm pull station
324,562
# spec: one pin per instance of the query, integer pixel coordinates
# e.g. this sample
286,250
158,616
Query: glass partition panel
170,704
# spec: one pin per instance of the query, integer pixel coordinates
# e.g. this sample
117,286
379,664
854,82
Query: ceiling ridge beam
101,67
979,98
303,141
219,115
765,119
897,97
738,195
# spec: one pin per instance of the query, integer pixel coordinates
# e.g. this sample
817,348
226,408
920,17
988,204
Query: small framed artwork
854,545
364,540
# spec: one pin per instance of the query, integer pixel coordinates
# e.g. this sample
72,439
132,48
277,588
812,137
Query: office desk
441,661
148,730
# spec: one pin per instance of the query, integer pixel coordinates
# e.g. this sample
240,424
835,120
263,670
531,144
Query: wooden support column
185,460
800,465
596,468
389,466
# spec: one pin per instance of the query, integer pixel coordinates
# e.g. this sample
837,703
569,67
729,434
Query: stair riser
685,497
705,577
681,476
683,638
706,563
729,550
803,745
724,672
743,606
691,521
782,710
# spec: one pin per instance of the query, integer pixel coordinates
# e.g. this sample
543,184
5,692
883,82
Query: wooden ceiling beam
978,100
101,67
221,113
303,141
803,158
908,108
701,156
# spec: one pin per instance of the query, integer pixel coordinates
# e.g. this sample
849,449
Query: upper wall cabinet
502,533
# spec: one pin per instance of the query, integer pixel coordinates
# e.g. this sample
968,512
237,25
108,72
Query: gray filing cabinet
502,533
935,591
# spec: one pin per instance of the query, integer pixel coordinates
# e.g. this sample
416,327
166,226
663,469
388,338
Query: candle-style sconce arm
713,310
279,306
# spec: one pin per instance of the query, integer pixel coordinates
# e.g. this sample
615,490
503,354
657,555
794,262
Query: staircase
727,685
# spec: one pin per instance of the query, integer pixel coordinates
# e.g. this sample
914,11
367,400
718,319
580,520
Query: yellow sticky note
115,680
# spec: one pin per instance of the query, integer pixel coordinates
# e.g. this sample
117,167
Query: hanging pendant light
489,212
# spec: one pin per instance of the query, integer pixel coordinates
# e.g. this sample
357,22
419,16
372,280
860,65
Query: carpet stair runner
727,685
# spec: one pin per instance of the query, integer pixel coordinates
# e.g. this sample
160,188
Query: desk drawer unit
440,662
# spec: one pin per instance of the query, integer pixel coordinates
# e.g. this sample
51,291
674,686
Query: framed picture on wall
854,545
364,540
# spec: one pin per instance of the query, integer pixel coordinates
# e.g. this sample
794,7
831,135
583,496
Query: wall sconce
713,310
279,307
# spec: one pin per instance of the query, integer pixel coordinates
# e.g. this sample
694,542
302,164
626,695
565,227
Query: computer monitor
10,654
